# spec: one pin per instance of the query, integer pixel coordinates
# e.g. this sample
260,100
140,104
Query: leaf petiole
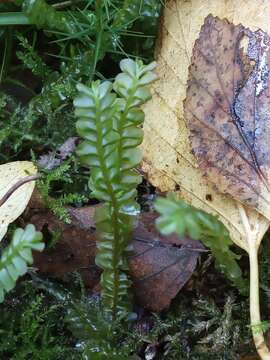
254,298
255,317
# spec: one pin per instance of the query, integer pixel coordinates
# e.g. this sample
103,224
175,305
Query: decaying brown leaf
159,267
75,249
53,159
227,110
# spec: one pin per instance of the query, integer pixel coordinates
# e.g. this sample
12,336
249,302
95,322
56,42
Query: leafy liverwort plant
110,122
178,217
16,257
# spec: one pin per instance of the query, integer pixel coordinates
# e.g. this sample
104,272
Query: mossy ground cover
42,60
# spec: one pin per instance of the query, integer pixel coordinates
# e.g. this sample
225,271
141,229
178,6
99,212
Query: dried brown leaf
227,110
161,265
53,159
159,268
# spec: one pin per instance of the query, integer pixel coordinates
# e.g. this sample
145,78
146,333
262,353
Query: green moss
32,327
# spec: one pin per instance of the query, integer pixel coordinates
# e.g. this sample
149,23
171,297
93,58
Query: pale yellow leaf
10,174
168,160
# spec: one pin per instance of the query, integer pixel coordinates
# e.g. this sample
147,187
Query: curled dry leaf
11,173
53,159
159,268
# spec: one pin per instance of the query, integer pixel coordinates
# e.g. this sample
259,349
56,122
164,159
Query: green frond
57,204
181,218
17,255
31,59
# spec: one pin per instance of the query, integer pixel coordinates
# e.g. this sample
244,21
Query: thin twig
17,185
66,3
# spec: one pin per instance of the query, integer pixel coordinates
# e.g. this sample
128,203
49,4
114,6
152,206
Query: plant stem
64,4
17,185
99,37
14,18
115,213
255,317
254,293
